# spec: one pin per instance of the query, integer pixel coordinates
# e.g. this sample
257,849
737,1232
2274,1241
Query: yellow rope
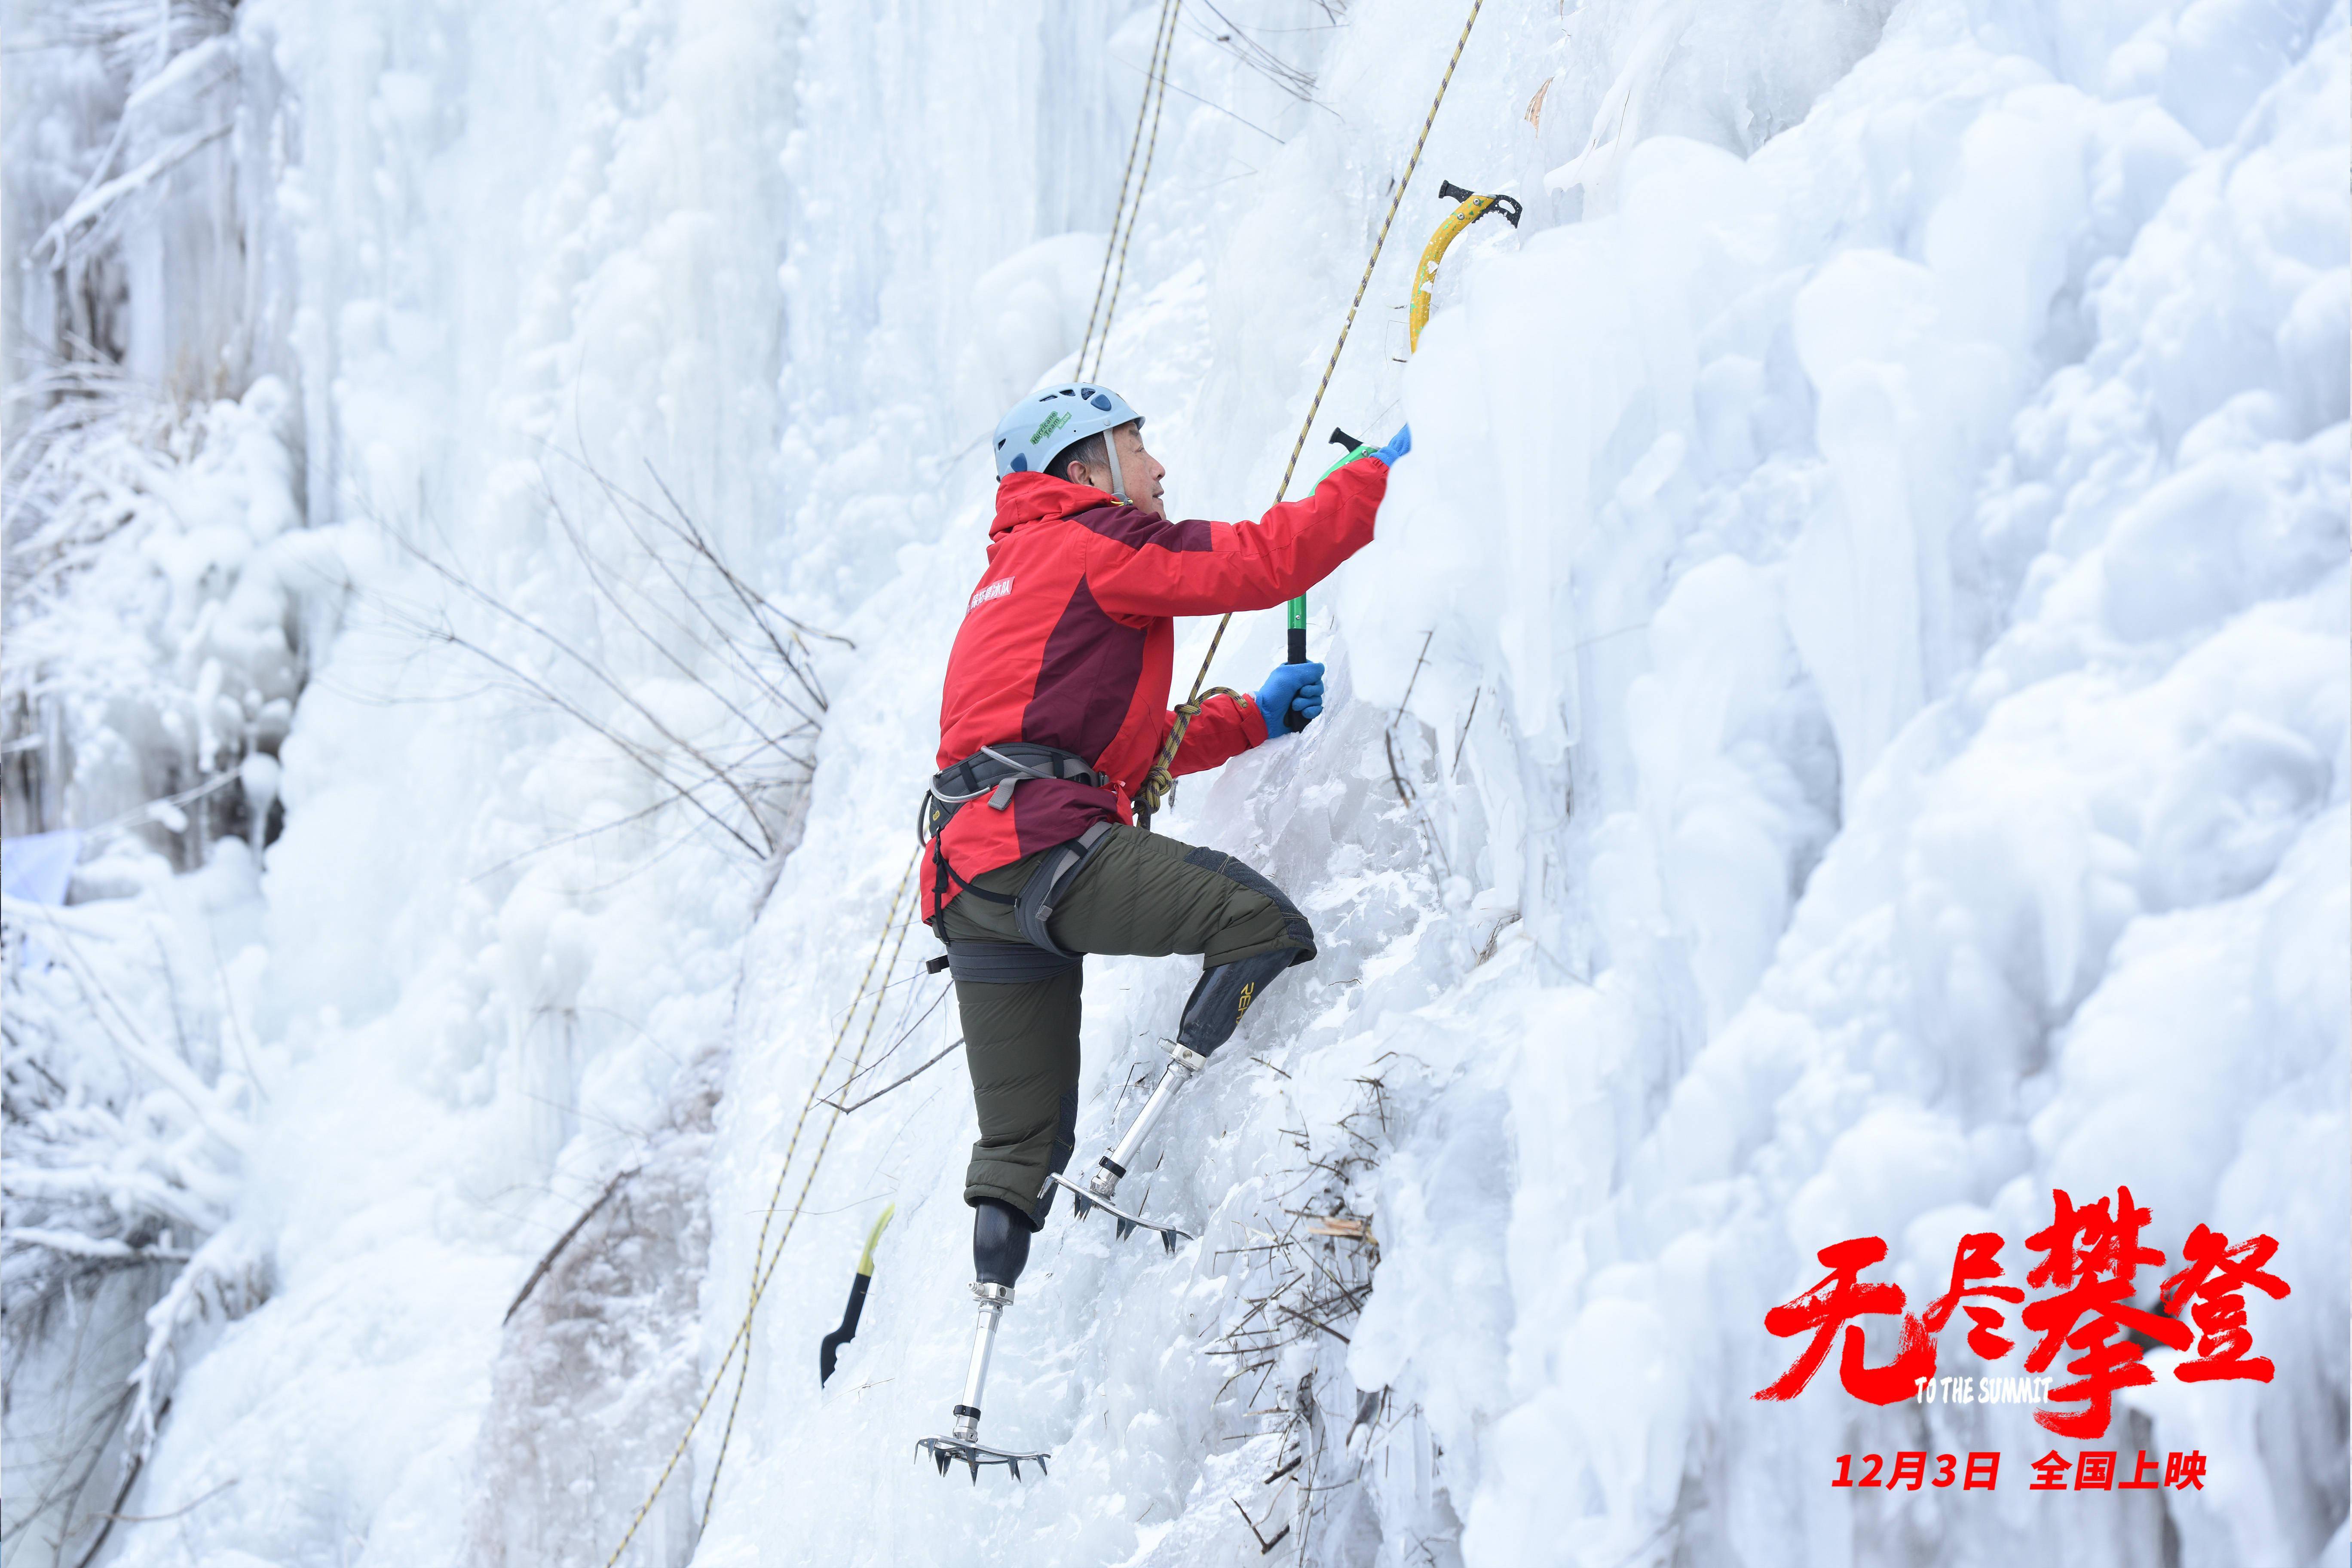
1159,782
1135,210
759,1274
761,1284
1157,76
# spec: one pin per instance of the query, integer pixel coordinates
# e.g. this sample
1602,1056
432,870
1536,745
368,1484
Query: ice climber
1054,709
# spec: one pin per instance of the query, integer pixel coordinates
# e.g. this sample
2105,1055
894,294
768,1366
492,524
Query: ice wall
1843,729
2021,641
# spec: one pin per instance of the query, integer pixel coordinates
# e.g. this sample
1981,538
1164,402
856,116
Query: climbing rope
1155,93
1159,782
1135,209
1146,139
759,1286
763,1263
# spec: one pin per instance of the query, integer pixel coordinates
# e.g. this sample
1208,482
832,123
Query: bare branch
878,1093
547,1259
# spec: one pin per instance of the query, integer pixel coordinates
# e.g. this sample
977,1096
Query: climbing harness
1033,909
1038,956
1159,781
763,1262
1155,95
993,772
829,1348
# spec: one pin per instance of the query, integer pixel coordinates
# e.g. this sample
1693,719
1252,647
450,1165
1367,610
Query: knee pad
1295,929
1215,1007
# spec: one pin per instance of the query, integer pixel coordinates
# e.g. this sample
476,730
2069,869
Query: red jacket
1068,639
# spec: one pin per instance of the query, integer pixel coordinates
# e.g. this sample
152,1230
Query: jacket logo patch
1052,423
993,591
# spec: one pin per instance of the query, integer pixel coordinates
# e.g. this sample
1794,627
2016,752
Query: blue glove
1291,687
1399,444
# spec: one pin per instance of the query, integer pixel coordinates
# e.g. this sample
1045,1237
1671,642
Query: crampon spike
946,1452
1128,1224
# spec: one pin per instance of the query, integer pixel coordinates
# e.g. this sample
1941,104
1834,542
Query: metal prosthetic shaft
1104,1182
993,1300
1224,994
963,1445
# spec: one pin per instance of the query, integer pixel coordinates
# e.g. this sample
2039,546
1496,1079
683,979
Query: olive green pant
1137,893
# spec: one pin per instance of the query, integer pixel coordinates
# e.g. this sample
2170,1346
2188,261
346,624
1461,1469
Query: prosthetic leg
1102,1187
1210,1014
1000,1250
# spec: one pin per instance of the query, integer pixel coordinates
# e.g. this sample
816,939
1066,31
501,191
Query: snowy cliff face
1843,730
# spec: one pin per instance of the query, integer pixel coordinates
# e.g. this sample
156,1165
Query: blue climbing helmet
1042,424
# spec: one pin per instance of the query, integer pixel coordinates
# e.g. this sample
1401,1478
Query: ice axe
1471,205
1294,721
829,1348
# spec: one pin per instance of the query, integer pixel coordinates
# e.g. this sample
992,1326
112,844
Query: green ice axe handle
1294,720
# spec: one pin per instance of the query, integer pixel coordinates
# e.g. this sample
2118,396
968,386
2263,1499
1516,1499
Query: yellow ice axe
856,1308
1473,206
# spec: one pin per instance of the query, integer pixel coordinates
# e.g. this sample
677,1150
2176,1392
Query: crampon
949,1451
1128,1224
